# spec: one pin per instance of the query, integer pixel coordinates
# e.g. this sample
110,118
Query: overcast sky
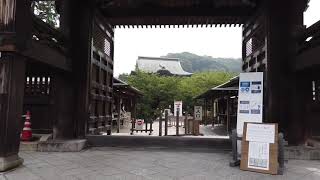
215,42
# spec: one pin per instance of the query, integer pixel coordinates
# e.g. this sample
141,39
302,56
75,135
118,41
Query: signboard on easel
259,150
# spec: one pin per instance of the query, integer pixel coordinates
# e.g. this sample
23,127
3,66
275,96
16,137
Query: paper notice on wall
258,155
260,133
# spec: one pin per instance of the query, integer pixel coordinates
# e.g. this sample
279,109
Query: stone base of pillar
73,145
10,162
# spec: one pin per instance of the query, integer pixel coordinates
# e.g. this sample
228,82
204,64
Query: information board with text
250,99
198,113
178,106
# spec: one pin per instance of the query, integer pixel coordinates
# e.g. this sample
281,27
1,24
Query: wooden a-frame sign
273,152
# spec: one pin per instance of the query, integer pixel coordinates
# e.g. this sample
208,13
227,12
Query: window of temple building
317,89
249,47
313,90
107,46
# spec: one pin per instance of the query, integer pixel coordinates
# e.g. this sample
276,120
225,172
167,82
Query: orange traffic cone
26,132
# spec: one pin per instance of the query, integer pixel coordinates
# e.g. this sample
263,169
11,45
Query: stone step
156,141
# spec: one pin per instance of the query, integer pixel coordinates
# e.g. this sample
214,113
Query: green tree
198,83
160,91
46,11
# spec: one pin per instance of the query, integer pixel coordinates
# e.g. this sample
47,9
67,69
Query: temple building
125,98
220,104
162,66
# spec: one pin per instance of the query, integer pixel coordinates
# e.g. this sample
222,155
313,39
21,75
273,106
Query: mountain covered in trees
194,63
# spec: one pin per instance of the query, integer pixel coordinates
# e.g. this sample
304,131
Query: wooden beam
161,12
47,55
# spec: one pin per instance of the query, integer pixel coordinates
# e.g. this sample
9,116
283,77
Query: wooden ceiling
132,13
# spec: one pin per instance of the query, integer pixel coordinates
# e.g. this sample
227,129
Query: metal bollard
281,154
160,125
166,124
235,161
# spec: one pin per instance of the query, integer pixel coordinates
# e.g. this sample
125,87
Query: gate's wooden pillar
15,28
284,17
12,75
63,107
81,21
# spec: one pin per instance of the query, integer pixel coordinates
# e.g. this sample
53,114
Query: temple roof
121,87
161,65
227,88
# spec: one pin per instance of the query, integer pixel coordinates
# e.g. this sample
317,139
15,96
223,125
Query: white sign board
258,155
260,133
178,105
198,113
250,99
139,124
259,136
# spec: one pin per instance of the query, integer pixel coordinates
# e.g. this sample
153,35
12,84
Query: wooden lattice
101,79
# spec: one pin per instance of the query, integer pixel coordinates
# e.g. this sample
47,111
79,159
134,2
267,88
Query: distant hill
195,63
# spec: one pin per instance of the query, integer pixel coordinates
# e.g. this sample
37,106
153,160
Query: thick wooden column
228,114
282,24
302,95
119,114
81,22
63,125
12,76
212,111
133,114
205,109
15,28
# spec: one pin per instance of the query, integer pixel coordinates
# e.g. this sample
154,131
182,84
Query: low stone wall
302,153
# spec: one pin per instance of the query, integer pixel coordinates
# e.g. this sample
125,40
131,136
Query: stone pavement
146,164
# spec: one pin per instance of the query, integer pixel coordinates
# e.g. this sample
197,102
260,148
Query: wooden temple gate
65,75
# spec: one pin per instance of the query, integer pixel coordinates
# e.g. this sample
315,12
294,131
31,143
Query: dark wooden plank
12,75
44,54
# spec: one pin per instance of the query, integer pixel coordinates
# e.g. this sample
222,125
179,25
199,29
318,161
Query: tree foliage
46,11
161,91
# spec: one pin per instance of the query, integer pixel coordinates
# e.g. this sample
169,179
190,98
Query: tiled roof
154,65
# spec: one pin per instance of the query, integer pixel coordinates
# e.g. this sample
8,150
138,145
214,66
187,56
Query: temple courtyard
123,163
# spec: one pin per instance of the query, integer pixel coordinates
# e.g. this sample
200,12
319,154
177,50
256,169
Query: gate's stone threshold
137,163
181,142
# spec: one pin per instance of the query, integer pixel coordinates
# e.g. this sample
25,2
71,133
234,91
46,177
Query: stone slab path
107,163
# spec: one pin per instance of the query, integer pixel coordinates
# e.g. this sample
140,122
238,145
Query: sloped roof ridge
157,58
